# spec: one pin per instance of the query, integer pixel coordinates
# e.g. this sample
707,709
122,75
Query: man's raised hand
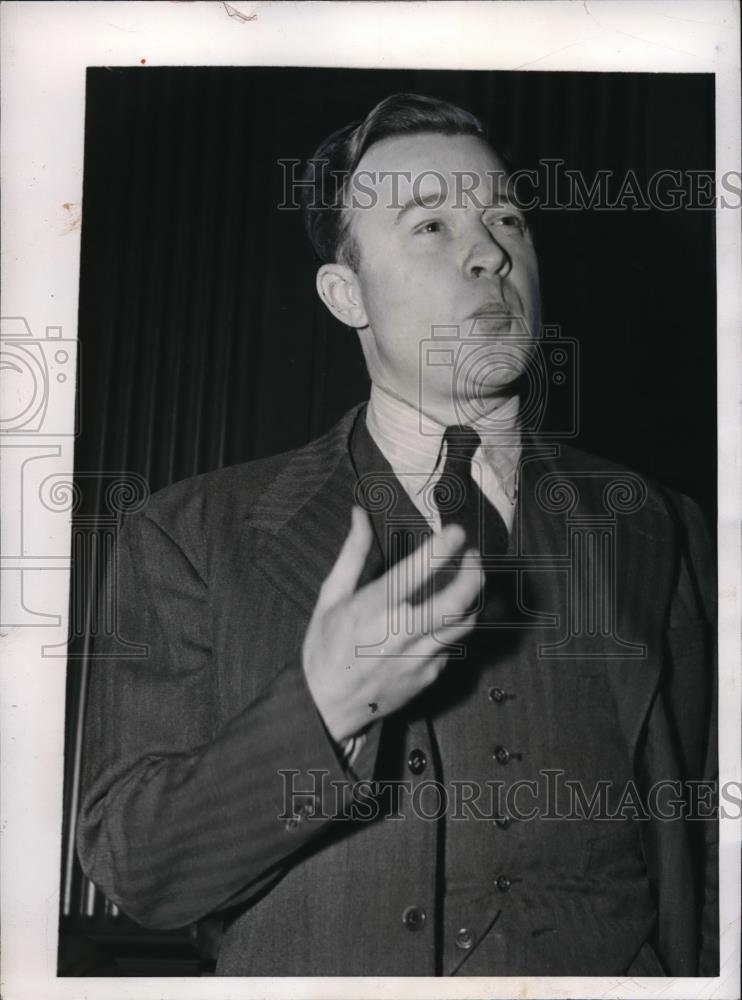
407,659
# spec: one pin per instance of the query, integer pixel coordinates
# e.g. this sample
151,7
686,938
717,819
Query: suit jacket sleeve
180,818
693,708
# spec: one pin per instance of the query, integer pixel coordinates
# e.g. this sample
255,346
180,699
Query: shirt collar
411,441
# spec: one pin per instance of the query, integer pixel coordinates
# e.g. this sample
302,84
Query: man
377,664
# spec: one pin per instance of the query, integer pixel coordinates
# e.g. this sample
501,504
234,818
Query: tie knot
461,443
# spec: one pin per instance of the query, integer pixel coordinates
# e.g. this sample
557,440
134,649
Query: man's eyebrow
433,200
499,201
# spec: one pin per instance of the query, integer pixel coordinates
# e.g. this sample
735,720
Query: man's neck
493,412
415,436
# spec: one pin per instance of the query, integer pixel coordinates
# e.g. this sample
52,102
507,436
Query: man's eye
510,221
434,226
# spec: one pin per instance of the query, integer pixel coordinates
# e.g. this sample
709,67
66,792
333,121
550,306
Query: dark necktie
459,499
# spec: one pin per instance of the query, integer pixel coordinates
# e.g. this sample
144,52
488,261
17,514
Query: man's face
444,249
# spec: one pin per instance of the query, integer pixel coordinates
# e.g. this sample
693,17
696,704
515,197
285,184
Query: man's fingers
412,572
456,597
450,603
343,577
437,645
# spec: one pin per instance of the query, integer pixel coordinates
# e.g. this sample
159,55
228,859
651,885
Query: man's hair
333,164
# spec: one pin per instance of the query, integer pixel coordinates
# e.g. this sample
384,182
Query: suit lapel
303,518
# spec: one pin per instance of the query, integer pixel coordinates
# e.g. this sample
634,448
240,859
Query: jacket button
414,918
496,694
501,754
464,939
417,761
503,883
503,822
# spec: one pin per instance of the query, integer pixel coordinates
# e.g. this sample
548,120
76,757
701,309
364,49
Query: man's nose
486,258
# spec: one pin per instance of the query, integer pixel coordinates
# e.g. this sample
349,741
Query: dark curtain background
203,342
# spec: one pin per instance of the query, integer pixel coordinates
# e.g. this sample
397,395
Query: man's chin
479,400
491,375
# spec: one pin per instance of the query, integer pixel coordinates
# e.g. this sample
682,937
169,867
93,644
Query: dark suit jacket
183,813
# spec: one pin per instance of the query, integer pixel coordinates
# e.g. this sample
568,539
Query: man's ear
337,286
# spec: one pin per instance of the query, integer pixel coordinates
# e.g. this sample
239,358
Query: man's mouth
491,317
492,309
